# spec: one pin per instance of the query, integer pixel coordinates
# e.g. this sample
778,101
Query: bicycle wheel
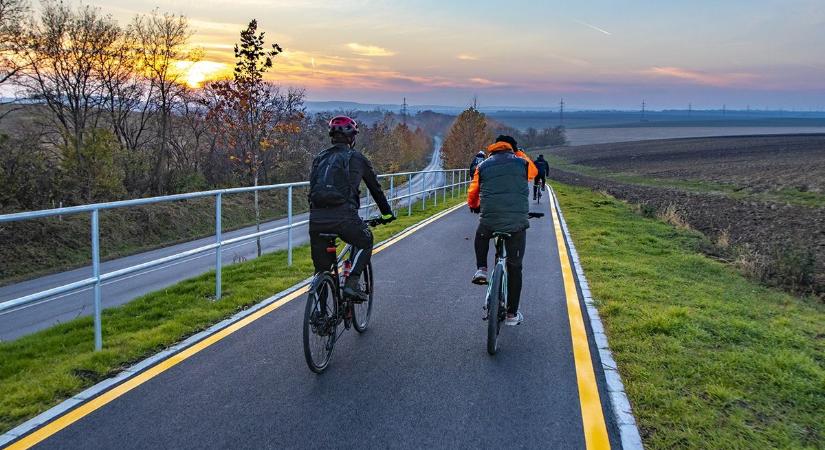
361,311
320,322
494,310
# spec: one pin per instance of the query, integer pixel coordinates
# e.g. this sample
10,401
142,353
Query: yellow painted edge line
595,428
95,403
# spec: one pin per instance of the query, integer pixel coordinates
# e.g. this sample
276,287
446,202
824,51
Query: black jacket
476,161
360,169
543,166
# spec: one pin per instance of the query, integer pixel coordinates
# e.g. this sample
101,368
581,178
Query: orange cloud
719,80
466,57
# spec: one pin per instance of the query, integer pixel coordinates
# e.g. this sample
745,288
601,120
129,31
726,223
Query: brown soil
758,163
779,243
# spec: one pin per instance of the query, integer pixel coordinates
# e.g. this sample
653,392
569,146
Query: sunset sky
596,54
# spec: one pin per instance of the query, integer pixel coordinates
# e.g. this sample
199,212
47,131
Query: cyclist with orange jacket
500,194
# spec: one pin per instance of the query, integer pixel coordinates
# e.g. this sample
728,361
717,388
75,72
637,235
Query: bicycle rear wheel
320,322
494,310
361,312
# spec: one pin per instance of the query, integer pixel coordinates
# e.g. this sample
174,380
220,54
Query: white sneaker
514,320
480,276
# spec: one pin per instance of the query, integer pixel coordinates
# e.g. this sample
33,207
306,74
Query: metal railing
458,178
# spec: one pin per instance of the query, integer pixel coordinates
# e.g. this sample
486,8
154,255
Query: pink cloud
718,80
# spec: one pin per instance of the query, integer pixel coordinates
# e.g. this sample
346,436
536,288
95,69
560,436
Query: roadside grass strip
708,358
41,370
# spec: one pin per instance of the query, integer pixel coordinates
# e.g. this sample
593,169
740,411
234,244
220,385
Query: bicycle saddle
501,234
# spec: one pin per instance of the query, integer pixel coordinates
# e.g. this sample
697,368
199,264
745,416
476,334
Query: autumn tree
161,44
468,134
253,115
13,15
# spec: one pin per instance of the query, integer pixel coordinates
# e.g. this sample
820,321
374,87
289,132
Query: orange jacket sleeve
532,171
473,198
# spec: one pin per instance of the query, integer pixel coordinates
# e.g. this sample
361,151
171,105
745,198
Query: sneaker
513,320
354,292
480,276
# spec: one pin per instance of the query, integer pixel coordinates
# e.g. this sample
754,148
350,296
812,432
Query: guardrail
97,278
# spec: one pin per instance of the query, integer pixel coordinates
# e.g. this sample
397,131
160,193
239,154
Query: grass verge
42,369
709,358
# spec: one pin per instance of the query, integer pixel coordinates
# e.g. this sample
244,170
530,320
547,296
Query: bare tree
162,42
13,14
62,55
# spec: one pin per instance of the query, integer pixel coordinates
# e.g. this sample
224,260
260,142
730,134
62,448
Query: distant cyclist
335,198
477,159
539,181
499,192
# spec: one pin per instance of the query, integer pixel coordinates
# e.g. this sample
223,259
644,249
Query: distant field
761,199
656,119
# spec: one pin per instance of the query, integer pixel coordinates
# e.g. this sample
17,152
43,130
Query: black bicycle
496,300
327,308
537,190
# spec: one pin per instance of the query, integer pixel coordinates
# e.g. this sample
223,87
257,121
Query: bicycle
497,290
537,190
327,308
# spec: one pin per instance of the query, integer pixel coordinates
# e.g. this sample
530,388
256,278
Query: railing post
218,253
423,192
96,275
444,190
409,194
392,193
435,191
289,230
452,183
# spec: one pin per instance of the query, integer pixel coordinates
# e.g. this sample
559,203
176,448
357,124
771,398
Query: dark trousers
353,231
515,246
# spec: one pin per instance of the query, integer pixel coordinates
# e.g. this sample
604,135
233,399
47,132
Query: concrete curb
620,406
92,392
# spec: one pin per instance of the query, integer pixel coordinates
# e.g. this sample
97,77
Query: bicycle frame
501,262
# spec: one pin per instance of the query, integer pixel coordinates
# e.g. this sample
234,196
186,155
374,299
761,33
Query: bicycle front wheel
320,322
361,312
494,310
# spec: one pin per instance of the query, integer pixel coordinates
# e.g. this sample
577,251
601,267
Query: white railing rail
458,178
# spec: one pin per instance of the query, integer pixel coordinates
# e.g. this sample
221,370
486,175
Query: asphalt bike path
115,292
420,375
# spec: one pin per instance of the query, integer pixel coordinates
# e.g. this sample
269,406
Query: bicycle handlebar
378,220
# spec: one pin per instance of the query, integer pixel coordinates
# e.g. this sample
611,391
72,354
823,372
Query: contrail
600,30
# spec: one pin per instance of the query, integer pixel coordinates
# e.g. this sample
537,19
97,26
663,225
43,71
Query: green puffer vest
504,192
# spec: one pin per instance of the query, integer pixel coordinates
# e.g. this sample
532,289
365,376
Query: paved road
65,307
420,377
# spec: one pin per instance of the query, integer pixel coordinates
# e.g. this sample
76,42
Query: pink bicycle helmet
344,125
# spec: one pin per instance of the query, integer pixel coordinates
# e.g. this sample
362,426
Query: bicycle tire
322,296
361,312
493,310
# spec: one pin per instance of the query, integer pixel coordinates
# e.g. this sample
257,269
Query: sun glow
195,74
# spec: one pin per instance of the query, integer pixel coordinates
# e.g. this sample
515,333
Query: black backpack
330,186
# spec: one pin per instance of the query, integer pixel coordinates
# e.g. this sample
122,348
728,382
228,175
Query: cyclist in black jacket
544,169
343,219
477,159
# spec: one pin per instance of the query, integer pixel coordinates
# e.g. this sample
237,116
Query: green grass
790,196
709,359
40,370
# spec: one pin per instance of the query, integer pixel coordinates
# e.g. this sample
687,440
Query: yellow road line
90,406
595,429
